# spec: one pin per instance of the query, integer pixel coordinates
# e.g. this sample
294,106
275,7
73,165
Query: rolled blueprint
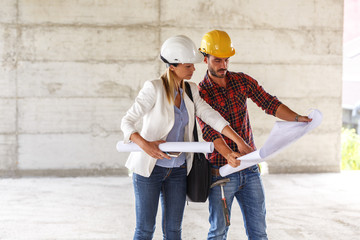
200,147
283,134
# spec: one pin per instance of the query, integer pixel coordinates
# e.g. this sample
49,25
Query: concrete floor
299,206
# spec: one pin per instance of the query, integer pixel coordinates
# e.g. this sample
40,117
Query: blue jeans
170,185
246,186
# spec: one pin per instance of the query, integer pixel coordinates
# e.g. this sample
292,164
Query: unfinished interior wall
70,70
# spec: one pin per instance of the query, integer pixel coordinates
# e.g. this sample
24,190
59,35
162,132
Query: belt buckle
215,172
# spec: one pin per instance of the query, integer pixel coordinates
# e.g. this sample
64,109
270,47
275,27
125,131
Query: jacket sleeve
209,134
206,113
144,102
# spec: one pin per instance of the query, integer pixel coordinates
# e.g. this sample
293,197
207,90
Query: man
227,93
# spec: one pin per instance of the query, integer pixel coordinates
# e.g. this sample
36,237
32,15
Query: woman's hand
152,149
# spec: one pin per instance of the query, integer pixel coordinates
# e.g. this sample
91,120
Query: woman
168,114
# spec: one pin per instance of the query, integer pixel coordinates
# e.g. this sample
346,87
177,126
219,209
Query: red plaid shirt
230,102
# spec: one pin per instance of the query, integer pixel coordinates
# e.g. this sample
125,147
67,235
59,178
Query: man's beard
215,74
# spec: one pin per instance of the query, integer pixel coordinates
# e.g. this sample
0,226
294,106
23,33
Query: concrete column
70,70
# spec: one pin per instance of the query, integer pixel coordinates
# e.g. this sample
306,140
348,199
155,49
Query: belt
215,172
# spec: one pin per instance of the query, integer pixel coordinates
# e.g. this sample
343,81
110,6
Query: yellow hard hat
218,44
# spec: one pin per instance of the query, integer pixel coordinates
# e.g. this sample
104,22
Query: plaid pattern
231,104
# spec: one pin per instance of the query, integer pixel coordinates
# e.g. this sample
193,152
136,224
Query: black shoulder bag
199,178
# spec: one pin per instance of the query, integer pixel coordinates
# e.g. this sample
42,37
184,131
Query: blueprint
282,135
203,147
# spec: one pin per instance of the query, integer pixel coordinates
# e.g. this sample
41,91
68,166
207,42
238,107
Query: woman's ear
172,68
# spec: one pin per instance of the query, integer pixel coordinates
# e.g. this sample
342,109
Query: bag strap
189,93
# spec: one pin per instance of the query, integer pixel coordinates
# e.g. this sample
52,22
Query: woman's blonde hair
170,85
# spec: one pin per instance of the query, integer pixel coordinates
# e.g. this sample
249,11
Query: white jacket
151,105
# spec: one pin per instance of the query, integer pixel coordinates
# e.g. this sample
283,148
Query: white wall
70,69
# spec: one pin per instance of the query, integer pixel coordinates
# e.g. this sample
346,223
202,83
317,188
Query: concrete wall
70,69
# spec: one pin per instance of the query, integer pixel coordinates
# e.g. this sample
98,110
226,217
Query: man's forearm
285,113
226,152
222,147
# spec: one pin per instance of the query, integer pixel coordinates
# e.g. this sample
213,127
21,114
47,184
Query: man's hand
244,148
299,118
232,159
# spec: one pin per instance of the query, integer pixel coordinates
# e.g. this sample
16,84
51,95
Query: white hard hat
180,49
